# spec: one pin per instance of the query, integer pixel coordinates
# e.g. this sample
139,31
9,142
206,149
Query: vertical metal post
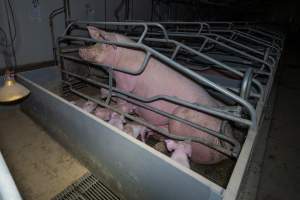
67,12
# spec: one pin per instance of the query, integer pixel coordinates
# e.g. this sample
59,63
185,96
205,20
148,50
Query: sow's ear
96,33
99,34
171,144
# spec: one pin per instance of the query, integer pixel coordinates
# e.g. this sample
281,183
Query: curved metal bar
233,26
109,23
124,95
252,38
201,108
246,84
161,27
196,77
222,64
202,80
243,53
234,42
160,130
227,46
142,24
259,85
269,35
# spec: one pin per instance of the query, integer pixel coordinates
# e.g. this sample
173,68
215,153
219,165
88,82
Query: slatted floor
88,187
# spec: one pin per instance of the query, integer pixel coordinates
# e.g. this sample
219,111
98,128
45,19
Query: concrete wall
33,42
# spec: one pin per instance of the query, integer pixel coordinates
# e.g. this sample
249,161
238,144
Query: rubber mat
88,187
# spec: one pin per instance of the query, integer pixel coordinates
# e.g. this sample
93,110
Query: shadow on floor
280,177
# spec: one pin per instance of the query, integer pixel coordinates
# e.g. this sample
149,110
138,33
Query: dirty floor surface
41,167
280,177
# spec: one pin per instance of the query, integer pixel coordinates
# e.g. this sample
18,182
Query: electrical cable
6,43
118,9
12,38
5,38
13,19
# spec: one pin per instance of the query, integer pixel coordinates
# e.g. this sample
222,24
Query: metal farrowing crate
234,61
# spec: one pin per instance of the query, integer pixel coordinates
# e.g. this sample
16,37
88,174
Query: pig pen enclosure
235,63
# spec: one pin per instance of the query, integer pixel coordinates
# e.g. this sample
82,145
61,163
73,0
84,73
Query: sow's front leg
200,153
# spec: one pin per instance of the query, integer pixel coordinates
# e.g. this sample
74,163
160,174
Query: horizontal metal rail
155,128
135,24
210,59
165,34
144,101
187,72
207,38
237,95
229,33
223,41
249,38
266,55
242,27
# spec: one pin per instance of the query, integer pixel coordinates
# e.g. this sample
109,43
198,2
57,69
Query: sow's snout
89,53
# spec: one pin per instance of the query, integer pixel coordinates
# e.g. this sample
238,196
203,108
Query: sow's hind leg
200,153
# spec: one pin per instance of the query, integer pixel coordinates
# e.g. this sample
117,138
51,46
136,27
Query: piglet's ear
171,145
96,33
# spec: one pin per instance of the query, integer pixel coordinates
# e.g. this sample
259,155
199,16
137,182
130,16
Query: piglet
104,94
89,106
136,130
117,120
181,151
73,102
103,113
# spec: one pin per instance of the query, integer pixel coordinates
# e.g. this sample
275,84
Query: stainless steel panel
130,168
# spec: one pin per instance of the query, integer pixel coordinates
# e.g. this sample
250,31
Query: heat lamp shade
12,91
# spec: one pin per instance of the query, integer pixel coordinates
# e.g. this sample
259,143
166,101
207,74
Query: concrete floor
280,177
41,167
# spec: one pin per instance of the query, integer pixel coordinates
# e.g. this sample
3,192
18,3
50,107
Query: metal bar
179,67
141,24
246,84
227,26
165,35
213,111
53,14
224,45
210,29
109,152
67,12
272,37
175,52
124,95
160,130
245,36
110,82
237,51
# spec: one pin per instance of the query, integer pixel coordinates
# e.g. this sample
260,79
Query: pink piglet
181,151
117,120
